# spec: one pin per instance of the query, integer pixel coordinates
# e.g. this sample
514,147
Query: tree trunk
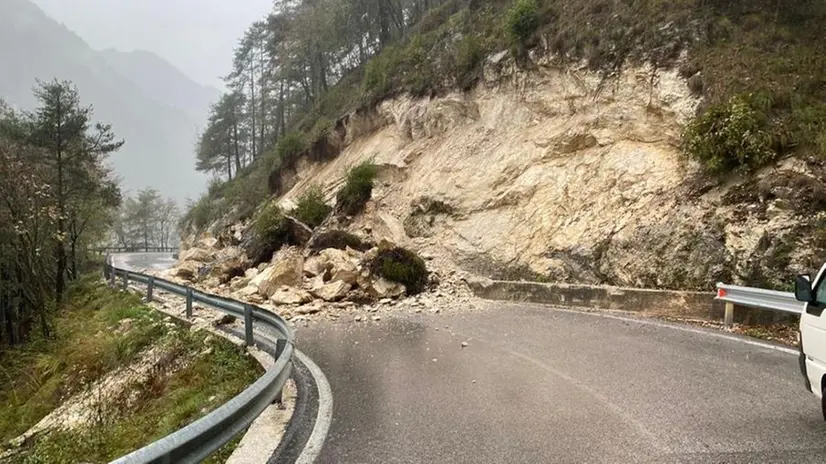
263,97
229,165
74,259
281,119
60,282
237,149
253,106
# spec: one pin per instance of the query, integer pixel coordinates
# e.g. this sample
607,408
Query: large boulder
334,291
207,242
187,270
314,266
287,269
290,296
383,288
342,266
247,291
198,254
238,283
231,263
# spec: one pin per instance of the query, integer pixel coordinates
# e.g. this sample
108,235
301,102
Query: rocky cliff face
563,175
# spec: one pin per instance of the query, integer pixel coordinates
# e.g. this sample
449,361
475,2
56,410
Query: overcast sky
197,36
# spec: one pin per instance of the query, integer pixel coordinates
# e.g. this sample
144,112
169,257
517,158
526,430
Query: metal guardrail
756,298
197,441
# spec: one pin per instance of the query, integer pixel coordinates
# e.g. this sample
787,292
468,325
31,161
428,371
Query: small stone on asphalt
376,318
464,344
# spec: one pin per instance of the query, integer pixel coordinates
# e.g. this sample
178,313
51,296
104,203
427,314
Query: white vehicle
813,333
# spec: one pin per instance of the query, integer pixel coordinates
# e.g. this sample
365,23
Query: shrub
311,208
402,266
357,190
522,20
246,192
289,147
730,136
340,240
468,57
271,226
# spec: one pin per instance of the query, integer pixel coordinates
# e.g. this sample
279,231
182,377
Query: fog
197,36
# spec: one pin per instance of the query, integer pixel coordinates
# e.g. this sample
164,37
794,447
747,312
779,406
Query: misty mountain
160,125
162,81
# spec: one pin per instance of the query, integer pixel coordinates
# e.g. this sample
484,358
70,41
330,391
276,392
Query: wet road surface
536,384
142,261
539,385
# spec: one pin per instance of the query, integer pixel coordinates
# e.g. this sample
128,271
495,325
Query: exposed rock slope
563,175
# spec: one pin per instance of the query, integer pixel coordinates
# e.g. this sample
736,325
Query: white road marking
325,412
769,346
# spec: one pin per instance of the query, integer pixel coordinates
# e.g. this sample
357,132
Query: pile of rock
295,276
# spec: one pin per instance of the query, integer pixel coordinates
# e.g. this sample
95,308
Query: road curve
142,261
539,385
535,384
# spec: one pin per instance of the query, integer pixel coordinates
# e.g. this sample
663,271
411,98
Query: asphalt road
142,261
536,384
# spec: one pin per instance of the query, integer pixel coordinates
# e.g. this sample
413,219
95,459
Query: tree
73,150
146,221
28,219
222,142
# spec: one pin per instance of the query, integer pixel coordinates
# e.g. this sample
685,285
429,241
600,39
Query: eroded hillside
619,143
561,175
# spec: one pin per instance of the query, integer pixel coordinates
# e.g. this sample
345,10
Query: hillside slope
33,46
545,176
164,83
638,143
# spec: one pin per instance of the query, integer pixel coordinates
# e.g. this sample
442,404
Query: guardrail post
150,289
248,338
280,346
112,276
189,303
728,321
126,280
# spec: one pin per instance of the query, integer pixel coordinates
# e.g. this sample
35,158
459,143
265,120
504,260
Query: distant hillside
162,81
160,130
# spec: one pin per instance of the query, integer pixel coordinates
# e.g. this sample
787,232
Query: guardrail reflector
721,293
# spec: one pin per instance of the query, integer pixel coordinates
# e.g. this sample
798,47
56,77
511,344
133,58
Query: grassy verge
99,332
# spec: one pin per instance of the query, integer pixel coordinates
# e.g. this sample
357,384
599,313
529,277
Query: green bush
467,59
340,240
377,75
289,147
271,226
523,20
311,208
730,136
402,266
357,190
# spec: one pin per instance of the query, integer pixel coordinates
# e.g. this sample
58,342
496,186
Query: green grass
357,190
311,209
37,377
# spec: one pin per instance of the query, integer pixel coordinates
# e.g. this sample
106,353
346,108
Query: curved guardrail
756,298
198,440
